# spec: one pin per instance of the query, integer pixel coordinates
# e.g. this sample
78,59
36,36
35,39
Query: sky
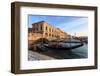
74,25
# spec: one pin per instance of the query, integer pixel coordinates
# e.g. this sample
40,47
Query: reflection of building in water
44,30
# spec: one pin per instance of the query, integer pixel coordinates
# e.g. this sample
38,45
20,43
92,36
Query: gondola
63,47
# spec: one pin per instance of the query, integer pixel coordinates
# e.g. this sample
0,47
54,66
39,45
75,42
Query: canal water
80,52
76,53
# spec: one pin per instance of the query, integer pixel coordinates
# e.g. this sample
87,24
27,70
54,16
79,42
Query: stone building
43,29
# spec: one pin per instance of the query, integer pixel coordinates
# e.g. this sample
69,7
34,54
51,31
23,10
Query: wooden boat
63,47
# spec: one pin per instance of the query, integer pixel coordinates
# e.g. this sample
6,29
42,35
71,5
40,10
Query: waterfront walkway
32,55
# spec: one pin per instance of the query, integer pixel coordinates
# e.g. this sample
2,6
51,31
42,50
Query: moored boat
64,46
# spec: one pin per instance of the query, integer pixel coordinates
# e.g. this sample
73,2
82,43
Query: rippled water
80,52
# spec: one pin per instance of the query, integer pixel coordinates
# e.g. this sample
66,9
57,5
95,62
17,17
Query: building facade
45,30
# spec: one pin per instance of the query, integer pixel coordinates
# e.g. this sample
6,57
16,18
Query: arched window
46,28
41,27
49,34
52,35
46,34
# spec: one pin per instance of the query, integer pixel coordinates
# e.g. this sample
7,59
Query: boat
63,46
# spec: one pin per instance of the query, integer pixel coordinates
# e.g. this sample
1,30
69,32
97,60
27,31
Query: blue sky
70,24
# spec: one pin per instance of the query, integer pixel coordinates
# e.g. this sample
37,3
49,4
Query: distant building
45,30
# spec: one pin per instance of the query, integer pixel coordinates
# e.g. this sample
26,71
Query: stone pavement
32,55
